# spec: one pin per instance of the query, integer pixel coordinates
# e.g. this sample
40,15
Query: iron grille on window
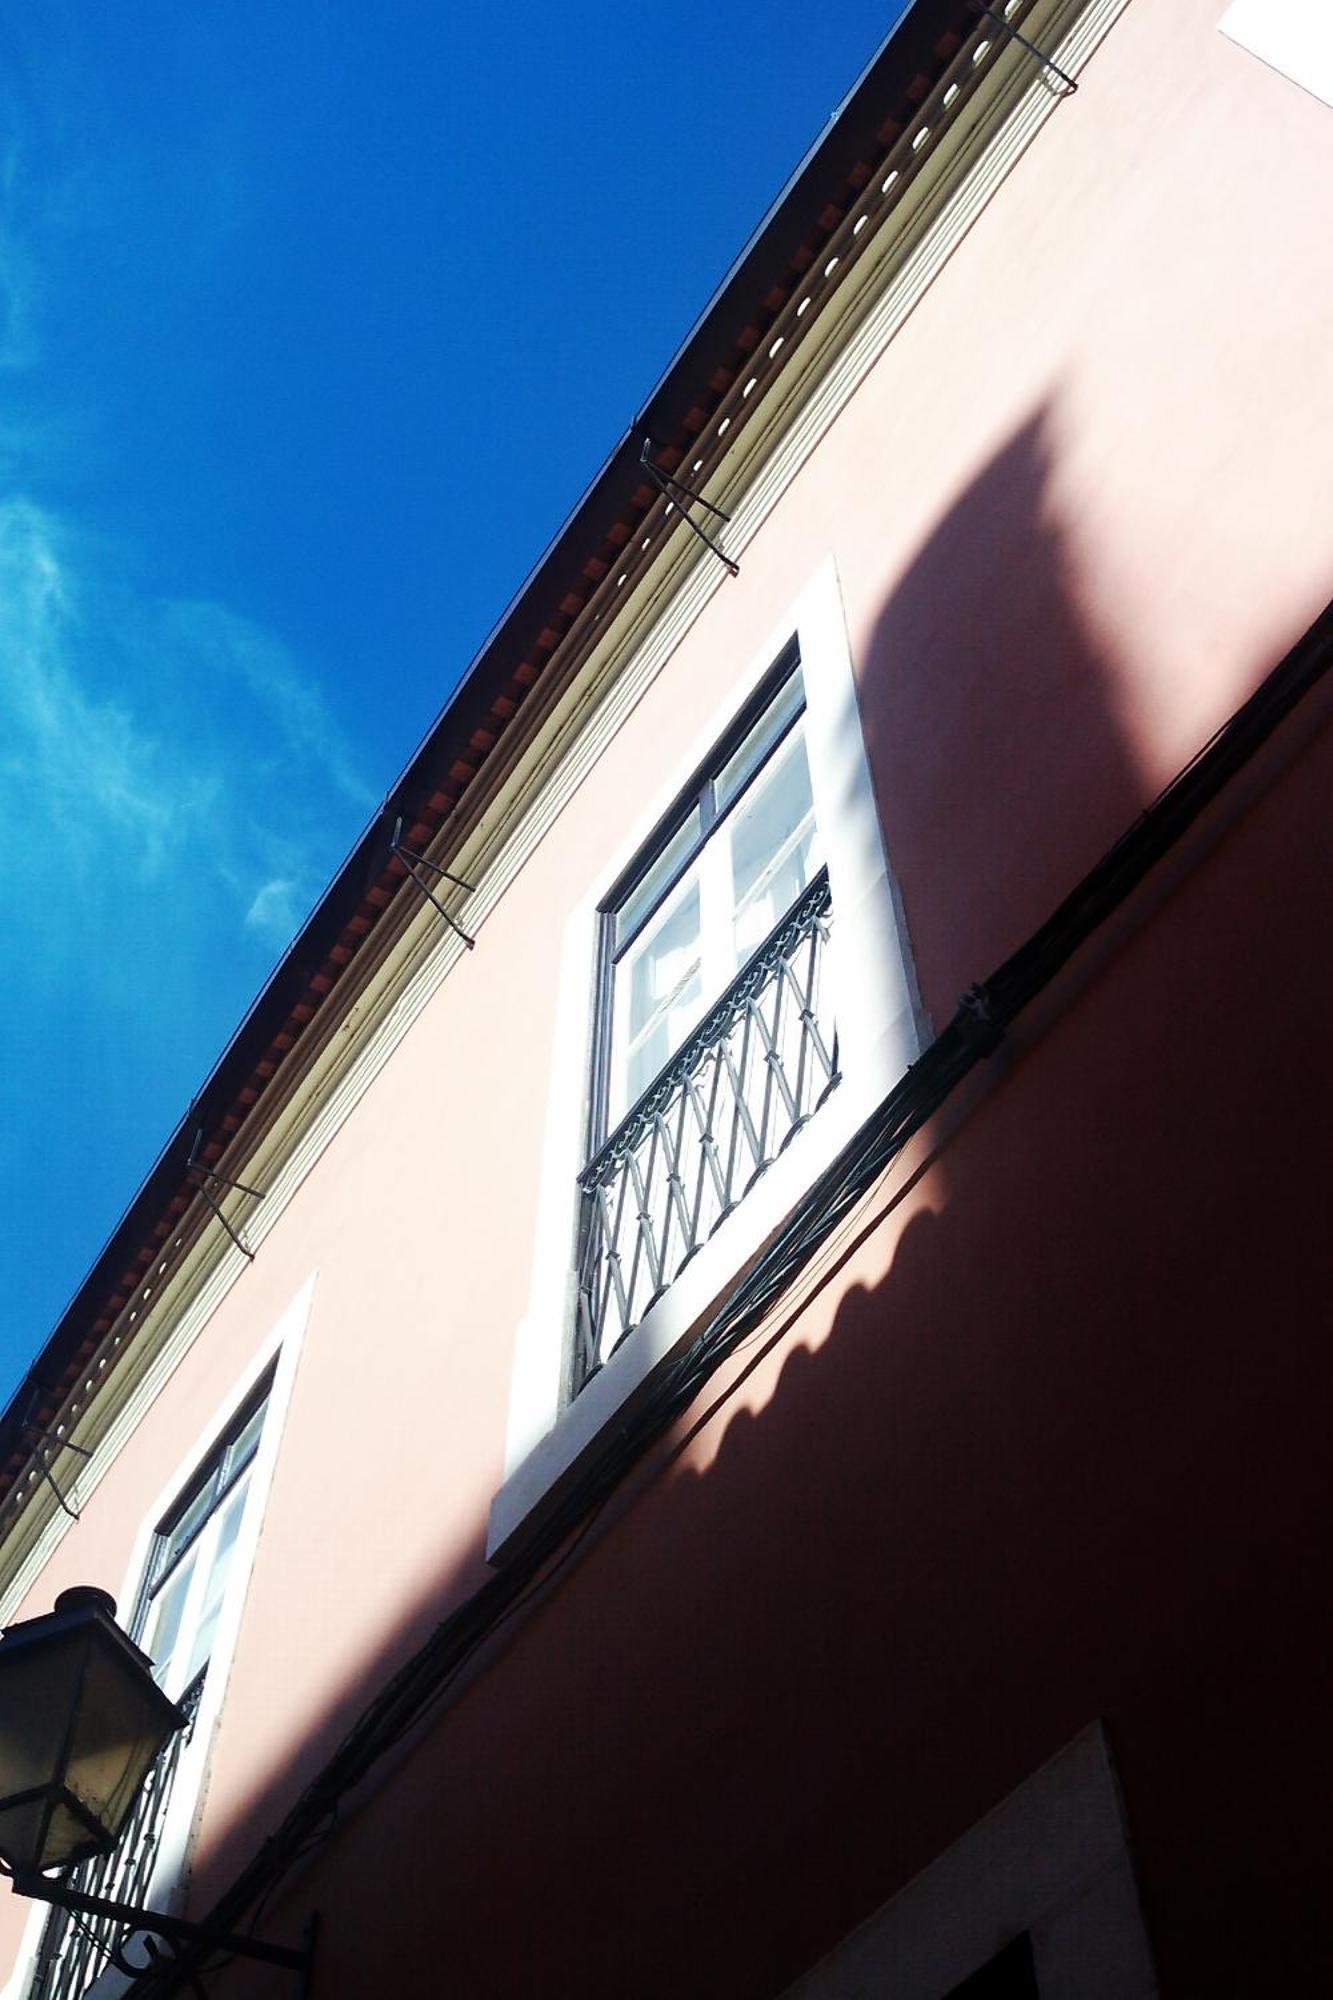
759,1063
75,1949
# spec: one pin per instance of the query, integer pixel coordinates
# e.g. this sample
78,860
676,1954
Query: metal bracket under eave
411,860
677,494
39,1441
205,1179
1039,55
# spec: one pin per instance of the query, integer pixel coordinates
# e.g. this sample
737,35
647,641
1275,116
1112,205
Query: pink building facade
708,1464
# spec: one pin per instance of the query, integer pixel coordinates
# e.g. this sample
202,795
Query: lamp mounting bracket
149,1925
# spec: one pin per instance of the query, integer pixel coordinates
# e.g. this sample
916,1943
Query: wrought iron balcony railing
761,1061
75,1950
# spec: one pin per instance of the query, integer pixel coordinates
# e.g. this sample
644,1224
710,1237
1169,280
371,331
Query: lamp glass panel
68,1838
123,1723
39,1685
21,1828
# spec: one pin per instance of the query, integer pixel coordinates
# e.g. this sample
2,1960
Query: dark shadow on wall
1045,1448
990,717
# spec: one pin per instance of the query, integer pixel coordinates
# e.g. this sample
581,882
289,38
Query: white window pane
663,961
659,995
190,1520
246,1442
778,805
774,894
745,760
655,878
671,1027
162,1626
219,1551
772,846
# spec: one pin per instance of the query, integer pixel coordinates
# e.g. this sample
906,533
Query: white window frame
881,1029
1293,37
1051,1860
279,1355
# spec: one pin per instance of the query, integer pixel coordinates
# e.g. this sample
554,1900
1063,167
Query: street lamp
81,1723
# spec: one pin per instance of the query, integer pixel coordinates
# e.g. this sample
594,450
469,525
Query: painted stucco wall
1045,1445
1040,1448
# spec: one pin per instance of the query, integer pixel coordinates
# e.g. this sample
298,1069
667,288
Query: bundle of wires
985,1013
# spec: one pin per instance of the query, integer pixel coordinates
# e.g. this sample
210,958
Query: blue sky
315,319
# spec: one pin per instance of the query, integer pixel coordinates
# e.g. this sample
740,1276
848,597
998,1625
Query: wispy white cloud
143,738
274,911
221,644
174,788
153,745
65,750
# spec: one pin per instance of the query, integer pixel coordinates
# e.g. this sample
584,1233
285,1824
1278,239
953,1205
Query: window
191,1558
735,995
714,1041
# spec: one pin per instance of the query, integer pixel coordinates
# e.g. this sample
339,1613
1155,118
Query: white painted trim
880,1030
801,432
1292,37
281,1352
1051,1860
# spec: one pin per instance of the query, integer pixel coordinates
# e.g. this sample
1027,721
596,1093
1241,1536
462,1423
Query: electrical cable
984,1015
